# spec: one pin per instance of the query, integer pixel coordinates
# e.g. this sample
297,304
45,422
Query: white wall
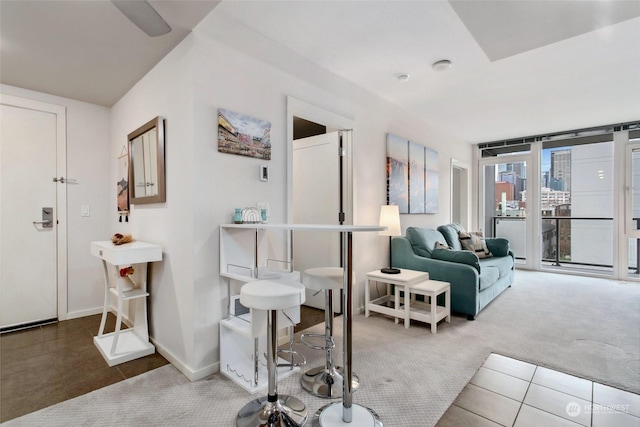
167,91
205,73
187,87
89,162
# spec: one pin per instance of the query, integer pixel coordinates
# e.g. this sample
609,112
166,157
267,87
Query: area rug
583,326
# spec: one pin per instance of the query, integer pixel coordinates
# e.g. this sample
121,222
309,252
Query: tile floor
48,364
509,392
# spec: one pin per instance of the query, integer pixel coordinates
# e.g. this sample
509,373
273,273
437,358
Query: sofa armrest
498,246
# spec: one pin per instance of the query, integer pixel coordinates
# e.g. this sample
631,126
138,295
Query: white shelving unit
248,253
124,345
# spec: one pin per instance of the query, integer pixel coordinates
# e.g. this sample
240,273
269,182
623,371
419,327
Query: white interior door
316,200
29,137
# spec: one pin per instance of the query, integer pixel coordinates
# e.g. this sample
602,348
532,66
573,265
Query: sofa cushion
474,241
423,240
489,276
450,232
504,264
462,257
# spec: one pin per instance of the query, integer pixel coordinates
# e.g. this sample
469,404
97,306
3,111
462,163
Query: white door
316,200
30,139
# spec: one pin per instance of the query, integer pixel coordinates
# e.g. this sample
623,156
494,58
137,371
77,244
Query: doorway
33,266
460,193
320,185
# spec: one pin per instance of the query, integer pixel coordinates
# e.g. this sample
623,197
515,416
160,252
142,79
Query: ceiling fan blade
141,13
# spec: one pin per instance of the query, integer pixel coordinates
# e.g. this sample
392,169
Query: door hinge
340,217
342,152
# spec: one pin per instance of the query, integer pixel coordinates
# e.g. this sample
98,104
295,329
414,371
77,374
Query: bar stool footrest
303,340
302,359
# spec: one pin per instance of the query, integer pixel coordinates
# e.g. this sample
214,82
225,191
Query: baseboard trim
83,313
191,375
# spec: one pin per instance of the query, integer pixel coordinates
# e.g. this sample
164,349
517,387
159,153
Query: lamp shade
390,218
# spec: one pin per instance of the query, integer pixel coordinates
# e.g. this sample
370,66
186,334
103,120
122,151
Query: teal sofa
474,282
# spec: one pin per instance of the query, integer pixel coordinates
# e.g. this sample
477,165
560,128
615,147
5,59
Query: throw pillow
473,241
441,246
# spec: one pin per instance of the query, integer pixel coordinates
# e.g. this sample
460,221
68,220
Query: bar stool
325,381
272,410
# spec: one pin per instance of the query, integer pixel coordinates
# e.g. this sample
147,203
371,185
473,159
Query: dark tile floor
48,364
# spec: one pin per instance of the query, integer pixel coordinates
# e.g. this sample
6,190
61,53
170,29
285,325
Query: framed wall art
243,135
412,176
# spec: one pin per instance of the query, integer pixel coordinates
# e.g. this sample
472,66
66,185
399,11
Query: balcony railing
577,242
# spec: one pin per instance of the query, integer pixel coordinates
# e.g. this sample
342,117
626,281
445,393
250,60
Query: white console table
240,259
124,345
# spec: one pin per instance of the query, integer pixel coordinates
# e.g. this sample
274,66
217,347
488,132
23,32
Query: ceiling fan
144,16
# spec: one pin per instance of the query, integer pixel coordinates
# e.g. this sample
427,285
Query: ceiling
519,68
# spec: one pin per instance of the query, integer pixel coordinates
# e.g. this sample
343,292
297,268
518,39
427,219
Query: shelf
422,312
128,253
130,346
308,227
263,377
239,324
132,294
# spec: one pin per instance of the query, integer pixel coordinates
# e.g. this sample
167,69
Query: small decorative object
237,216
127,271
123,185
243,135
251,216
390,218
120,239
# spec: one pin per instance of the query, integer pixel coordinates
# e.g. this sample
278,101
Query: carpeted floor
586,327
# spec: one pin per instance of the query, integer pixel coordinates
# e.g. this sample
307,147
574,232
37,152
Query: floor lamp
390,218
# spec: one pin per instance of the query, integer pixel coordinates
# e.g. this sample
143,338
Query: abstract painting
412,176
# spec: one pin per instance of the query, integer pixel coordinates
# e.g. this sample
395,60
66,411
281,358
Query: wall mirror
146,163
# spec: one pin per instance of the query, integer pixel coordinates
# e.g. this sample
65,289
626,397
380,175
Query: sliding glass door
567,202
632,209
505,212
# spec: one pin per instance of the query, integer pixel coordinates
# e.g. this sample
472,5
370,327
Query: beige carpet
582,326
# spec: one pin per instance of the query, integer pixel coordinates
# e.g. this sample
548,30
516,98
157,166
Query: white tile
620,400
457,416
509,366
565,383
506,385
563,405
533,417
488,404
611,418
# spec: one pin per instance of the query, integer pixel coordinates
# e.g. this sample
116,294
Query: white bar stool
325,381
271,410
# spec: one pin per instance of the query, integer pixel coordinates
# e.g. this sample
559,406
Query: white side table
402,280
124,345
431,312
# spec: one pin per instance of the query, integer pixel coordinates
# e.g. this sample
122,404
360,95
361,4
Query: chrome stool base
287,411
331,416
326,383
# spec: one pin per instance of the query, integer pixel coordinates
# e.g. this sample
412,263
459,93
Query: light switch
84,210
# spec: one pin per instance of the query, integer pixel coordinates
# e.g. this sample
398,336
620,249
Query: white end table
431,312
403,281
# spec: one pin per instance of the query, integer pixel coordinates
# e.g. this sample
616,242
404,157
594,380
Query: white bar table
344,413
